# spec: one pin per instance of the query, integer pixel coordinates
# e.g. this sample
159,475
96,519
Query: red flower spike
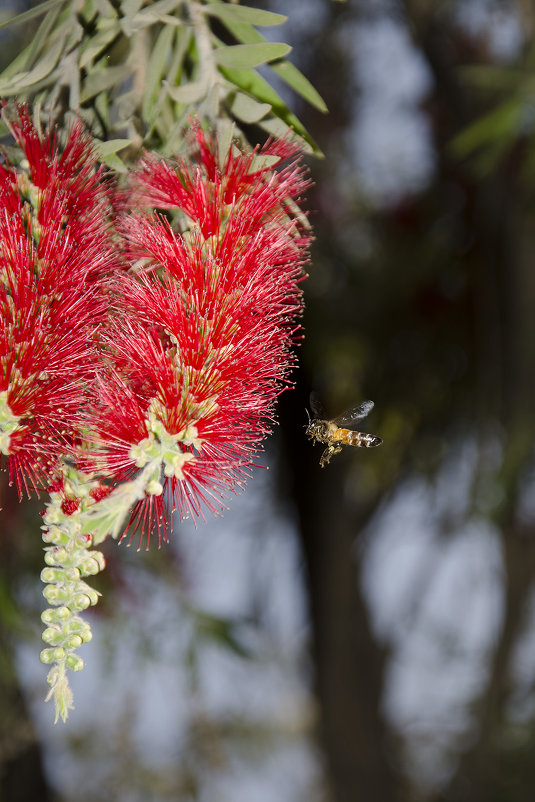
203,345
55,251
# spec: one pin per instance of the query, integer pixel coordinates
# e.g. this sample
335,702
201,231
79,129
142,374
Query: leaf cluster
136,70
508,120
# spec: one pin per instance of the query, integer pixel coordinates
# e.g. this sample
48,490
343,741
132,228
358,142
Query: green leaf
223,631
26,16
155,12
246,56
44,36
115,162
264,162
225,134
156,68
251,16
17,66
111,146
289,73
99,80
243,32
17,83
501,123
492,78
105,8
253,84
248,110
129,9
188,93
108,30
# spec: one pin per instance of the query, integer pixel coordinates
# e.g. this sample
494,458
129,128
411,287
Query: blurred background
364,631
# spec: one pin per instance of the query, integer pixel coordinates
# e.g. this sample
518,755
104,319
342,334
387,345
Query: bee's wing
316,405
349,418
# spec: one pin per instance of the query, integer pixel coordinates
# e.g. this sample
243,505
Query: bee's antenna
308,416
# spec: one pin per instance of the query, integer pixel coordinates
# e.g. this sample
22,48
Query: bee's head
315,428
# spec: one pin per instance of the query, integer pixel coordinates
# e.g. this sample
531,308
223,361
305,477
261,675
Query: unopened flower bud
55,595
47,655
49,575
154,488
72,574
74,662
55,556
55,615
52,636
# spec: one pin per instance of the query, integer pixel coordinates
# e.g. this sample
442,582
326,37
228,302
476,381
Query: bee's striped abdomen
361,439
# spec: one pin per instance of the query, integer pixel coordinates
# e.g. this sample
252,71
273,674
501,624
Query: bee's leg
328,453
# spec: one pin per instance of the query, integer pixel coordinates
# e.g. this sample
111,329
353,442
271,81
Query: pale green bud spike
69,558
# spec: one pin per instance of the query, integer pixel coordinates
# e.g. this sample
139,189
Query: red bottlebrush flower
203,346
70,505
55,250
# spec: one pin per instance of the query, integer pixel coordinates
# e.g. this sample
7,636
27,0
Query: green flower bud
93,594
47,655
71,574
91,565
55,556
80,602
83,541
86,635
55,535
55,595
74,662
49,575
73,642
55,615
52,636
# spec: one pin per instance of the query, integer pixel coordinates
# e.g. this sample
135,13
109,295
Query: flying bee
341,430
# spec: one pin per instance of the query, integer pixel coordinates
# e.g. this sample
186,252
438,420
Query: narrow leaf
44,36
100,80
21,81
156,68
263,163
188,93
248,110
26,16
253,84
492,78
299,83
115,162
109,29
155,12
225,135
246,56
502,122
287,71
250,16
17,66
111,146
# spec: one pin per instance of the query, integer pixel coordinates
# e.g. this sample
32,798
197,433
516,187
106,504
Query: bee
339,431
